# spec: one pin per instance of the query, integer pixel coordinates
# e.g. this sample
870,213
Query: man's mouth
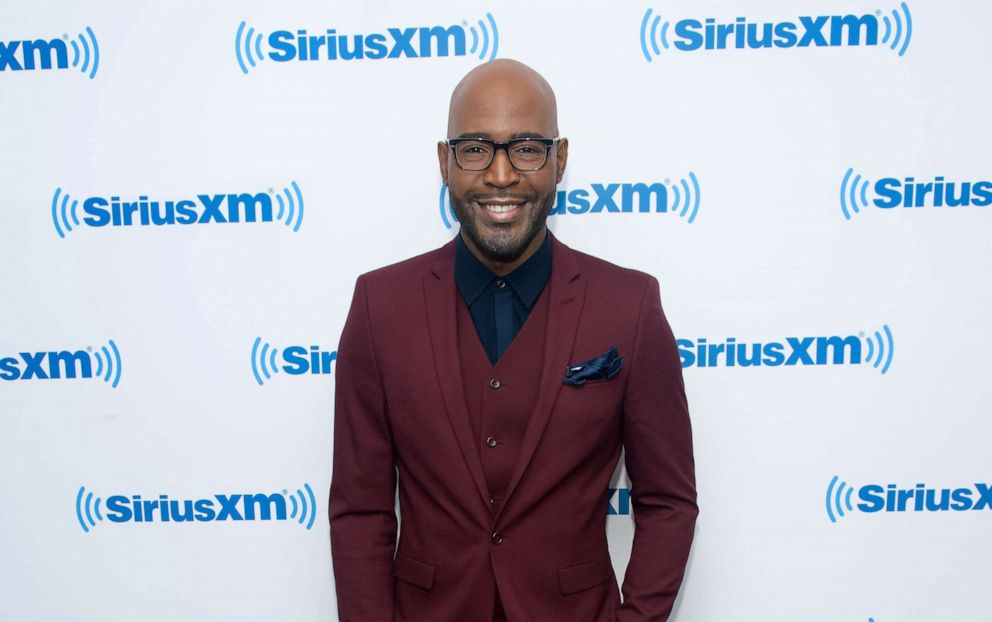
499,208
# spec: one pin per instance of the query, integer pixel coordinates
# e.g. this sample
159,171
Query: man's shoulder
408,270
601,272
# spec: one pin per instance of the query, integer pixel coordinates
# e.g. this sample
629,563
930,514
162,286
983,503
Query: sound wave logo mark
838,497
263,359
245,45
308,512
447,213
108,363
689,200
853,194
895,28
81,50
251,47
91,510
85,502
290,206
653,35
484,49
880,348
61,212
115,212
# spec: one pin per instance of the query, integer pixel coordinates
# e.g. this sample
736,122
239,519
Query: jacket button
497,537
494,383
492,441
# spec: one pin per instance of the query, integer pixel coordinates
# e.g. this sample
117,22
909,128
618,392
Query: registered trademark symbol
65,36
464,22
284,491
667,181
878,11
89,348
861,334
271,191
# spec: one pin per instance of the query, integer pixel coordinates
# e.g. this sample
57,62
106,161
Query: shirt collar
528,280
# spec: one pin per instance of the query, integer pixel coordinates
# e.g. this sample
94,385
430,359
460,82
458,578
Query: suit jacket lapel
441,296
567,292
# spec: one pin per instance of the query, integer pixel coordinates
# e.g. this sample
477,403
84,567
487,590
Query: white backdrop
190,344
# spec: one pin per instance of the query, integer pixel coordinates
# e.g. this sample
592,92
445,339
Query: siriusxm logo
215,508
618,502
679,197
710,34
29,55
283,46
889,192
891,498
113,211
861,349
103,363
295,360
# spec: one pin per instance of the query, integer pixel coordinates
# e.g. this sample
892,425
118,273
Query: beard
500,243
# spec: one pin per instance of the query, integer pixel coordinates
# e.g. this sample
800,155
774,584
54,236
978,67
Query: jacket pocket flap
583,576
412,571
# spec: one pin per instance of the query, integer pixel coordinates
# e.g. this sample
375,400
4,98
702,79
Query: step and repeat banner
191,189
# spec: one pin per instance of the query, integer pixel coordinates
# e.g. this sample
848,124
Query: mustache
501,196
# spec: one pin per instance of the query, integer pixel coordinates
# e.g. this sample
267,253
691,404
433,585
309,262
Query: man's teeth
499,209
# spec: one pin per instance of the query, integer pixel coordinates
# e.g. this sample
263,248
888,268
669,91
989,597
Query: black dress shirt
500,305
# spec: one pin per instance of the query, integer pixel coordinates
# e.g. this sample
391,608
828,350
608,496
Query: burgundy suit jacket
400,417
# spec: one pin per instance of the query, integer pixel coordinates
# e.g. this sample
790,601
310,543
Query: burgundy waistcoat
500,398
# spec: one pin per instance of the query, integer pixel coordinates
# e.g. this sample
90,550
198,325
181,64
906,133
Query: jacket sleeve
658,456
363,483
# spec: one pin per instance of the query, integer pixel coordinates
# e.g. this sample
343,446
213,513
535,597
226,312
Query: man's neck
502,268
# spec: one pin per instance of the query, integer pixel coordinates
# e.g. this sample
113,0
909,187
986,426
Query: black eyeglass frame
504,145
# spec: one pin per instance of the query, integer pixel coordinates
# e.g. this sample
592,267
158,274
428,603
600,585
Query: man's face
502,210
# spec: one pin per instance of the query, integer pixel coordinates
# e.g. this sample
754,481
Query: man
497,378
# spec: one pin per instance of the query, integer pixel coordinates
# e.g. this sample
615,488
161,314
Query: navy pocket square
603,367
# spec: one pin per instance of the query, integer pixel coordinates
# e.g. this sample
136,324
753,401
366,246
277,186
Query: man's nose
501,173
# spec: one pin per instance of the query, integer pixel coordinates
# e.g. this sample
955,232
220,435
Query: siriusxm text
36,54
618,502
242,507
203,209
47,365
612,198
907,192
807,31
833,350
921,498
420,42
300,360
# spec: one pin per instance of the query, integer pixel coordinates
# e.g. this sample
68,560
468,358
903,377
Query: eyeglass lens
525,155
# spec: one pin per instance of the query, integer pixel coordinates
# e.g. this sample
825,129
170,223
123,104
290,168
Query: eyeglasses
525,154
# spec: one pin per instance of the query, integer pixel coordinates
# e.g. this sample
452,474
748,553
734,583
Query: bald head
503,97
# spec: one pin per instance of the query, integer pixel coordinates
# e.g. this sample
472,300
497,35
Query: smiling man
495,381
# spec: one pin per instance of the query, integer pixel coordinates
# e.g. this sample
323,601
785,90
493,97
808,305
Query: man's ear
442,160
562,147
